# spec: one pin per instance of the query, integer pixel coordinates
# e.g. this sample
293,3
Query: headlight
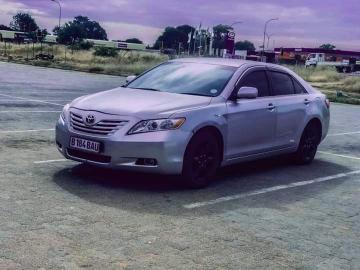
64,112
156,125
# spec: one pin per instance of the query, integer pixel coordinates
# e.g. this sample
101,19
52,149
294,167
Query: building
299,55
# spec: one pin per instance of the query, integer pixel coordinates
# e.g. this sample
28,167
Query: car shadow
166,195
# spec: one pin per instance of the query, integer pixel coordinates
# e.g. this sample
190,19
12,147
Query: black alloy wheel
309,142
201,160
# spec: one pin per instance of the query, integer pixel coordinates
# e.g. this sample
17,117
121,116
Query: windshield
185,78
311,56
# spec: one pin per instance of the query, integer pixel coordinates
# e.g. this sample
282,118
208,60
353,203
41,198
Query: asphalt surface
268,214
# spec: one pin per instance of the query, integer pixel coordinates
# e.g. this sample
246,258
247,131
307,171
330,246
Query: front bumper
167,147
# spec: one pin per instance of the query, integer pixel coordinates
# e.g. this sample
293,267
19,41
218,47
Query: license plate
86,145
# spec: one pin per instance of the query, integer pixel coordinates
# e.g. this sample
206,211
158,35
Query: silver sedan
191,116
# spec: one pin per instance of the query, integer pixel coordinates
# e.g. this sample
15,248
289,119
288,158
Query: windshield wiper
144,88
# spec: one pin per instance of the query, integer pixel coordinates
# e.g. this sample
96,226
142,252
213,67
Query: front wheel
201,160
308,145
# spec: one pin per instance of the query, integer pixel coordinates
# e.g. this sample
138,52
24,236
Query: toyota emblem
90,119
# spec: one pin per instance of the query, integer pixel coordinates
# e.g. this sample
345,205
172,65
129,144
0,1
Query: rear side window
259,80
282,84
299,89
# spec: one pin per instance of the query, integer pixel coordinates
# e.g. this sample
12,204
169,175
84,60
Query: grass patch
338,87
122,63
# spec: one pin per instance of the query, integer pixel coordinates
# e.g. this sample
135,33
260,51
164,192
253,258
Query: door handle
271,107
306,101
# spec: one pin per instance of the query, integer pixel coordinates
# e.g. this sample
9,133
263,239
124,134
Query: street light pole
265,28
58,2
238,22
268,39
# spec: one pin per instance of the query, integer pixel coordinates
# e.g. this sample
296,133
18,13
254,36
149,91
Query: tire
308,145
201,160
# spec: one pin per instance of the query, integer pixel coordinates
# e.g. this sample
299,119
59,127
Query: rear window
282,84
299,89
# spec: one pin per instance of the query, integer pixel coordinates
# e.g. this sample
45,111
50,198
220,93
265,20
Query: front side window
259,80
185,78
282,84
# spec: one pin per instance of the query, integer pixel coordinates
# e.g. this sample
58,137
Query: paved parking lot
270,214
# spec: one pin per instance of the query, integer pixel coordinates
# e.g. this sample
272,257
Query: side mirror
247,92
130,78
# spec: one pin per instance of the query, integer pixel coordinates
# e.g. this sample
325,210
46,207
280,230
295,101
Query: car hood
139,103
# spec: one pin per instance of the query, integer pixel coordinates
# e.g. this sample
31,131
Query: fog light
146,162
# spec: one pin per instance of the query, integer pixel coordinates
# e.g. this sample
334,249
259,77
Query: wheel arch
215,131
317,123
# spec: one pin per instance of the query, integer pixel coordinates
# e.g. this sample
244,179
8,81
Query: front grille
104,127
88,156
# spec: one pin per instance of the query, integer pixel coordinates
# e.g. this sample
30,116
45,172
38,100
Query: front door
251,122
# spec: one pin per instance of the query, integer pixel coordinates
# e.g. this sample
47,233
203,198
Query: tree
220,31
172,36
24,22
186,29
244,45
78,29
4,27
41,34
134,40
328,46
91,29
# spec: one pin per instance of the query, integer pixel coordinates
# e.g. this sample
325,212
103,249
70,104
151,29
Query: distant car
191,116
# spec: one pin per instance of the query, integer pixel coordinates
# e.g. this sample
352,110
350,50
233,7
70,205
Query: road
268,214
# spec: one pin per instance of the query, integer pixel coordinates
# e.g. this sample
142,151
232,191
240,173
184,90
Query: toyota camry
189,117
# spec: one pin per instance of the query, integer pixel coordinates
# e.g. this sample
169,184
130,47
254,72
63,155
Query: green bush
96,69
82,45
106,52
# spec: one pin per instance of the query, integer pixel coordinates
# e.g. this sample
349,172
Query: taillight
327,103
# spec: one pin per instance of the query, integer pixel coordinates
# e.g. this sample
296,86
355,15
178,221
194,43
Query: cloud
306,22
9,9
119,30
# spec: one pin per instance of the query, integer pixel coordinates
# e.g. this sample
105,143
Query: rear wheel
201,160
308,145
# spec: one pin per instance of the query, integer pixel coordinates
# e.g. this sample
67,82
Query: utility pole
268,39
200,44
58,2
265,28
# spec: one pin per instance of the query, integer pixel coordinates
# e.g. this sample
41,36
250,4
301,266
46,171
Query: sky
302,23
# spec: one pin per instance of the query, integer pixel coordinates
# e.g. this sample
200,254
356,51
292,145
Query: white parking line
339,155
267,190
50,161
345,133
35,100
25,131
30,111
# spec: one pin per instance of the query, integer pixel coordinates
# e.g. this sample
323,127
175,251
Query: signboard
122,45
230,42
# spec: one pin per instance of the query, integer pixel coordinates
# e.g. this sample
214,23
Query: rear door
251,122
291,102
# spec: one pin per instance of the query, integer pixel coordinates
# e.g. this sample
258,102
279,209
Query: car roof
237,63
226,62
212,61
